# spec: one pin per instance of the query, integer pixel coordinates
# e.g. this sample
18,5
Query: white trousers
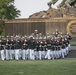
16,54
10,54
48,55
32,54
36,53
40,55
54,54
63,53
51,54
59,53
7,52
67,50
23,54
2,55
20,54
13,54
27,53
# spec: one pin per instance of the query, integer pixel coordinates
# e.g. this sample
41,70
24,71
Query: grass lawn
38,67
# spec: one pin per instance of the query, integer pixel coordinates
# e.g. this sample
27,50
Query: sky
28,7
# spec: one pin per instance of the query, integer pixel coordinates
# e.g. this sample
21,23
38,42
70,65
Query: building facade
44,26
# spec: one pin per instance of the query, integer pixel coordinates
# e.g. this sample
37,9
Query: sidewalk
73,47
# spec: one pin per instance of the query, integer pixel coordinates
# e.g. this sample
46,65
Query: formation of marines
35,47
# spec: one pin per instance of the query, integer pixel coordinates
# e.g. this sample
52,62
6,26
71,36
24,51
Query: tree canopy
7,12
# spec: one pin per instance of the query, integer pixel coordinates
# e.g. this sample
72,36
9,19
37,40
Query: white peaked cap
36,30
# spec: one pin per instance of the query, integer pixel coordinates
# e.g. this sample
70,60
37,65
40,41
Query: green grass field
38,67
